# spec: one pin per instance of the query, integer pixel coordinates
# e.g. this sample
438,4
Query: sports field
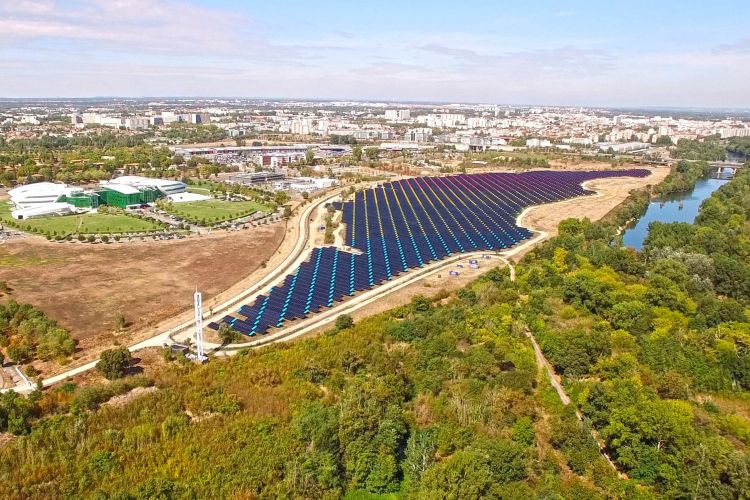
215,210
83,224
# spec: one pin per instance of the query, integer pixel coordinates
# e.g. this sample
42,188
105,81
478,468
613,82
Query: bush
114,362
344,321
120,322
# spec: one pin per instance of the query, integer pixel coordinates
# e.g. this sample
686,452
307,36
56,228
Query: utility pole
200,353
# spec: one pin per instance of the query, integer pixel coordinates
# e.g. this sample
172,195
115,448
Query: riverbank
677,207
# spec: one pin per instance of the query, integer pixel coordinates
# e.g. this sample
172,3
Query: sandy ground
85,286
613,191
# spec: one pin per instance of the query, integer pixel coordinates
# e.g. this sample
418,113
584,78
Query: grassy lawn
203,184
84,223
215,210
199,190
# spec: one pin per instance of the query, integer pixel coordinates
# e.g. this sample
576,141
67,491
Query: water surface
680,207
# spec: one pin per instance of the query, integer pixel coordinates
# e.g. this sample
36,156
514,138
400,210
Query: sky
688,53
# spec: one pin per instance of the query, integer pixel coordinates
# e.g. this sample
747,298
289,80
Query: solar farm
407,224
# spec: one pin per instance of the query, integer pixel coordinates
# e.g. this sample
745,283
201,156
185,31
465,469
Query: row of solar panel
405,224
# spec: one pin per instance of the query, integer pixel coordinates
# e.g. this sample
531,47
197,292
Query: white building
136,122
200,118
442,120
538,143
305,184
131,122
41,199
166,186
40,193
622,147
583,141
726,133
418,135
397,115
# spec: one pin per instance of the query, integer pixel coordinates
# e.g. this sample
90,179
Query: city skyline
639,55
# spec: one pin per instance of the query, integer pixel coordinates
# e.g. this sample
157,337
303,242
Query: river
679,207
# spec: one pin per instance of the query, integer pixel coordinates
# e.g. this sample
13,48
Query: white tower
199,327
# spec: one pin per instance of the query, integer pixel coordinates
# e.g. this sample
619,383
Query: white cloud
128,25
166,47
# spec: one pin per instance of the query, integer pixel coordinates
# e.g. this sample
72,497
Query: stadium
406,224
48,198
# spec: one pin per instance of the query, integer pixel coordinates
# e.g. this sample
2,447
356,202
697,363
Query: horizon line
743,109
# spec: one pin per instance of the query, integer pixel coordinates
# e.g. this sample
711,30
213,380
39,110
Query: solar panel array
406,224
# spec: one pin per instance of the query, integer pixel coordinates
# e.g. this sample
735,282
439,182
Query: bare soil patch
85,286
126,398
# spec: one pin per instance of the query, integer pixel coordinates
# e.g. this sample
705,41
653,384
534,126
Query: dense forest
709,149
27,333
683,177
442,398
187,132
739,146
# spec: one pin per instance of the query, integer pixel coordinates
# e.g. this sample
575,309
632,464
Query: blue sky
635,53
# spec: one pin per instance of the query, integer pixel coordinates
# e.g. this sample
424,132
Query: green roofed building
48,198
120,195
81,199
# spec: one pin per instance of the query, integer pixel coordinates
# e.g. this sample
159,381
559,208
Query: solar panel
405,224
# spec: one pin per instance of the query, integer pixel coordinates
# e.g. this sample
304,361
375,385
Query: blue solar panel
405,224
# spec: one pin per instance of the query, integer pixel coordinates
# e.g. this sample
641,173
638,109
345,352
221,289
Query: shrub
114,362
344,321
120,322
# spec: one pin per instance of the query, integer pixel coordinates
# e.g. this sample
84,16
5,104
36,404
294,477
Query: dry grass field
84,287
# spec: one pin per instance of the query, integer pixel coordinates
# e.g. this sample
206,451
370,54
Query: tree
310,157
280,198
372,153
420,455
507,460
357,153
114,362
227,334
464,475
